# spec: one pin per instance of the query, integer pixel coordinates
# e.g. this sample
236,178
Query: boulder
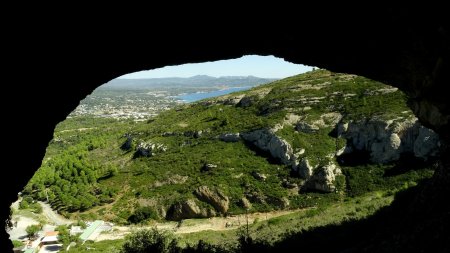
288,185
259,176
256,197
186,210
305,170
213,197
233,100
143,149
245,203
386,149
128,144
208,167
426,144
246,102
281,203
230,137
323,178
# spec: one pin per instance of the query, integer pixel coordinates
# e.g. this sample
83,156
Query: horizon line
120,77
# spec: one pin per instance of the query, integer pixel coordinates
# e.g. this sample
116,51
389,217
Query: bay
192,97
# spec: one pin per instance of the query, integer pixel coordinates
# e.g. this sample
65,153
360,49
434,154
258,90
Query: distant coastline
192,97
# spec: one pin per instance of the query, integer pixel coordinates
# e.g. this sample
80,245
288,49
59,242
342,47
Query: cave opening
268,112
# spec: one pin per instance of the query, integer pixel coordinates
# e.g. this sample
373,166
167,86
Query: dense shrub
142,214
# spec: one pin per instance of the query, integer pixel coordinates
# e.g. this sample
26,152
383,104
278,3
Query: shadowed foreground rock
49,70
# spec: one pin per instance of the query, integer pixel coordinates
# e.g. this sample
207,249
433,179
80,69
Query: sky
249,65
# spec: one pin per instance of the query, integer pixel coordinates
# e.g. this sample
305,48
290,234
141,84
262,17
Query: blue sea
192,97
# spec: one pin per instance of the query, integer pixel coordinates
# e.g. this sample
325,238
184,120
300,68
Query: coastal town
136,105
50,227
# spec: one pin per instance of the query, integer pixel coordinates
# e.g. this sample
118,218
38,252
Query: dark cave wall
49,70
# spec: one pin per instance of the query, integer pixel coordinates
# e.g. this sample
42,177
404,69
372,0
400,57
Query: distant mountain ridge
194,81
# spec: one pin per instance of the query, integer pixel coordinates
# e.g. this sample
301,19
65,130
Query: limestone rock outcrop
147,149
188,209
259,176
305,169
323,178
232,100
246,101
317,178
213,197
387,140
245,203
266,140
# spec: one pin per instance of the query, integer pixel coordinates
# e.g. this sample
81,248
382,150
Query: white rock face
387,140
149,149
323,178
305,170
266,140
331,118
187,210
213,197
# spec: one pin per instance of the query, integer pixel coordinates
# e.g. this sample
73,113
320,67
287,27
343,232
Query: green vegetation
32,230
368,178
148,241
268,231
28,203
17,244
64,236
88,171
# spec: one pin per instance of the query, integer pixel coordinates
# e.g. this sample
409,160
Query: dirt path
197,225
183,227
22,221
52,216
77,129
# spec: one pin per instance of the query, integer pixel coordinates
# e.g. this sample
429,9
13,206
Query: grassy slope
275,229
145,180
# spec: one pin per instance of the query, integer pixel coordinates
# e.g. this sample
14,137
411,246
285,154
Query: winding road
18,232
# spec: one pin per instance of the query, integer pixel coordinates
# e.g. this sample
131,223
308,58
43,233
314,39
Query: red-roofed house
50,237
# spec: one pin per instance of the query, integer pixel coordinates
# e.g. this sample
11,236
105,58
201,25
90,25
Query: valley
294,154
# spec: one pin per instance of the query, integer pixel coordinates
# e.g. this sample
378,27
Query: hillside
305,141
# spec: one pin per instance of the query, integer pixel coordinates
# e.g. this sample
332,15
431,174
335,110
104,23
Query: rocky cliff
387,140
384,140
268,141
